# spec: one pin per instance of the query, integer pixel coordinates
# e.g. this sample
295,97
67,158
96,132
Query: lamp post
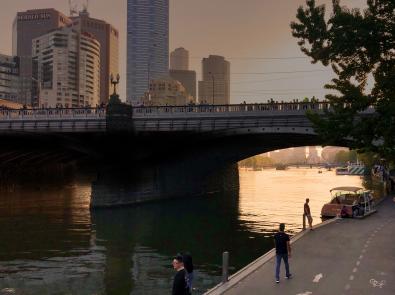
212,77
114,98
114,82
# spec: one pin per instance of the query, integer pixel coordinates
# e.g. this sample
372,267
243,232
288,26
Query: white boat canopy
353,189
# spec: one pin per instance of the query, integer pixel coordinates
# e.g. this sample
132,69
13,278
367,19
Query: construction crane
73,8
86,6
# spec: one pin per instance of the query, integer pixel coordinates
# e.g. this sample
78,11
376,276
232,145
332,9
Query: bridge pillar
119,116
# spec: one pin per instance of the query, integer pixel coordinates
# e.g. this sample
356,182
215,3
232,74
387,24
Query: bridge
286,117
186,143
233,132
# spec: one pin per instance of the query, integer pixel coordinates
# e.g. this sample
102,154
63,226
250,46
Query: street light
114,82
212,77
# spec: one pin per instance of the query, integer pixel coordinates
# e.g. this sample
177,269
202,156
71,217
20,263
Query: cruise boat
351,169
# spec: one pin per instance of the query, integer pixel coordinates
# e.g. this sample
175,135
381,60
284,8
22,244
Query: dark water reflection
53,244
140,241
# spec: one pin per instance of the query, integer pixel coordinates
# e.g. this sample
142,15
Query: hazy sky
240,30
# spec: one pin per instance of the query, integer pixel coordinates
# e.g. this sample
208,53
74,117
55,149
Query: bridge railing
52,113
147,111
235,108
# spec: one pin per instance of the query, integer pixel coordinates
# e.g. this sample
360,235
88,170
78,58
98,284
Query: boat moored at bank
348,201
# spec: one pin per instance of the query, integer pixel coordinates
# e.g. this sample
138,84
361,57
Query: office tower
108,38
28,25
147,45
9,78
215,86
179,59
179,70
67,68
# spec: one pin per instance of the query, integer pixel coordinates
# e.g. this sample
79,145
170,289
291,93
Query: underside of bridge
125,165
208,149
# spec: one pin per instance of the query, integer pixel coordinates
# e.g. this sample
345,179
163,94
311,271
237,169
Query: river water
52,243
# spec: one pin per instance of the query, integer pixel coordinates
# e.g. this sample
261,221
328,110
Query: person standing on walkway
307,213
188,265
283,251
179,283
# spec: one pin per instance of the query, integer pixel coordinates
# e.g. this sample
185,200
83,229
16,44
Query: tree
359,46
346,156
342,157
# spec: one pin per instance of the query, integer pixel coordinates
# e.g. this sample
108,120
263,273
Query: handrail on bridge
146,111
232,108
52,113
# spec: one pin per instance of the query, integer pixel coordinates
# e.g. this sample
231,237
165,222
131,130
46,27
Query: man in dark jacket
283,251
179,284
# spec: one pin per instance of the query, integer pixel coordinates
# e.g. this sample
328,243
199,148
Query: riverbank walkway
345,256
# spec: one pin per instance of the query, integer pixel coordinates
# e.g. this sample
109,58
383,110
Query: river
52,243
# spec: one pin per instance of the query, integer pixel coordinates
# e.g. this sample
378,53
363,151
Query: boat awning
353,189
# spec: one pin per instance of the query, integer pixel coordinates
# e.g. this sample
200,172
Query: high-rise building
108,38
179,59
179,70
9,78
215,85
31,24
147,45
67,68
35,23
28,25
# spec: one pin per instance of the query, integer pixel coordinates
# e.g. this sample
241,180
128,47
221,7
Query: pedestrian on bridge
283,251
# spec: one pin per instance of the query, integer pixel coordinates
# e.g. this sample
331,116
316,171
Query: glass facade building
147,45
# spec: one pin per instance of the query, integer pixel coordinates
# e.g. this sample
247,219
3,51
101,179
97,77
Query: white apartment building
66,66
167,91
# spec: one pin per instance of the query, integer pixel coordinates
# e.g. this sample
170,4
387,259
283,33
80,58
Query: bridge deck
347,256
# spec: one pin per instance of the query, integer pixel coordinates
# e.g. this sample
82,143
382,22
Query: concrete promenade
346,256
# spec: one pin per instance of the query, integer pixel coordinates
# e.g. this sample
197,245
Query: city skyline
262,29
